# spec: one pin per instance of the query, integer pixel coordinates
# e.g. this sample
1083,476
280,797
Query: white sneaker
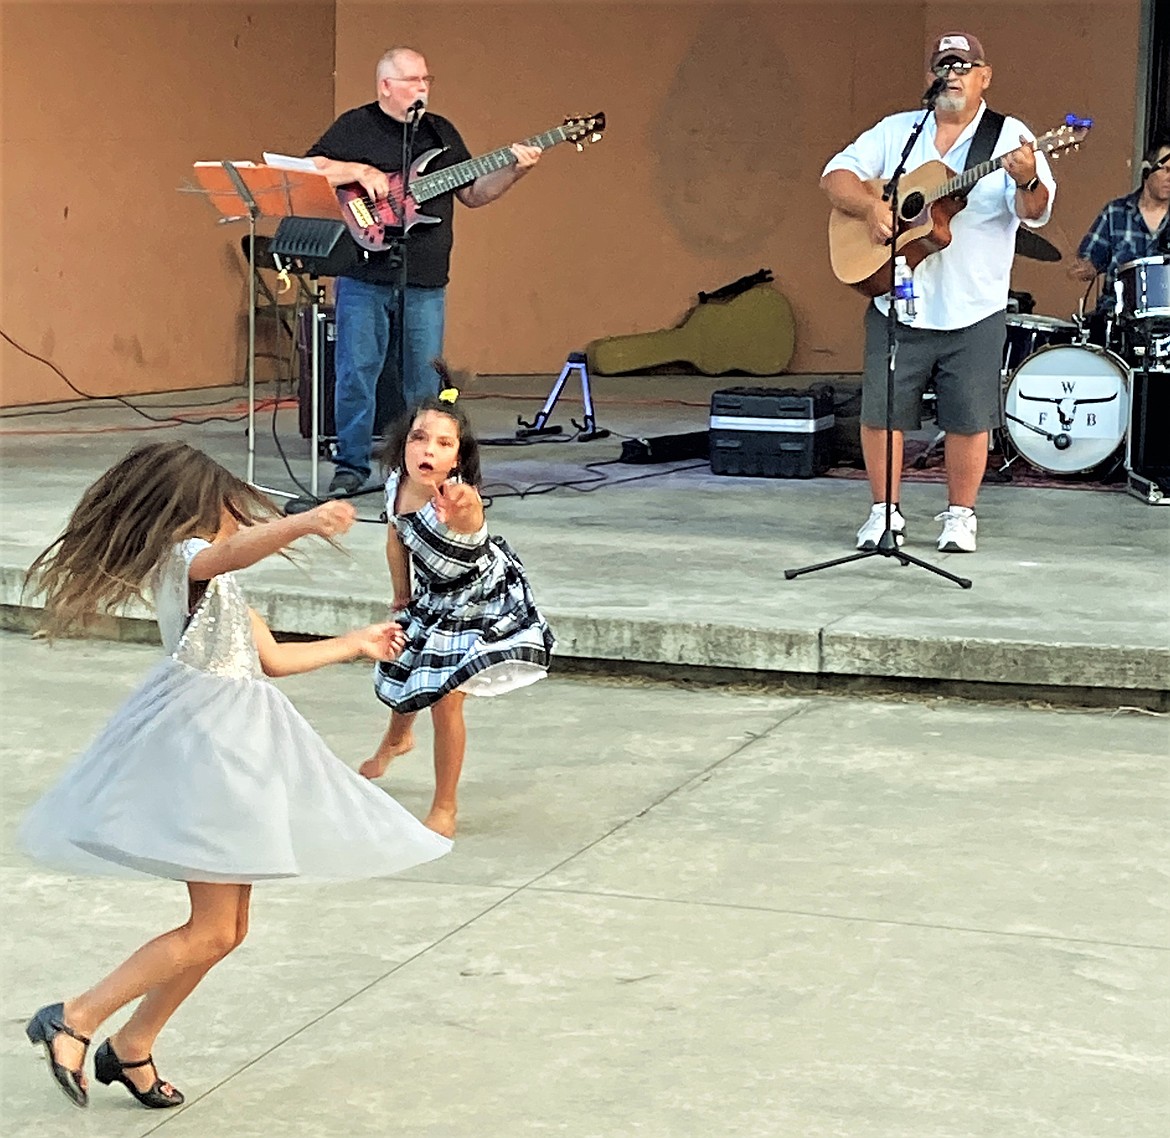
875,525
958,532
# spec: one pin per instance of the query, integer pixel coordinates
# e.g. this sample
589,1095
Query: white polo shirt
969,279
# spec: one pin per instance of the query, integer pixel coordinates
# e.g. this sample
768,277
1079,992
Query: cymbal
1030,244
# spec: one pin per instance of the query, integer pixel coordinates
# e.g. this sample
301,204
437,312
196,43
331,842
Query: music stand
309,244
247,191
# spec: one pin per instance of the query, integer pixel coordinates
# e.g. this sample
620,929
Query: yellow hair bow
448,394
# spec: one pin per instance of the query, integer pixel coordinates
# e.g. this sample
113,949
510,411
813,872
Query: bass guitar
931,195
373,222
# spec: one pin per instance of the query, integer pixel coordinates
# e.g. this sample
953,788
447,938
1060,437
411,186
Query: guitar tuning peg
580,148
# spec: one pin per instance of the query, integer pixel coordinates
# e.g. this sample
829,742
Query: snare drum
1067,407
1145,288
1027,334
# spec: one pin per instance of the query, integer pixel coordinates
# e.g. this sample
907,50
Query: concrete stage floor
673,910
673,567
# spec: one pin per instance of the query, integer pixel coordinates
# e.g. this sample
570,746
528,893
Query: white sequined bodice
217,638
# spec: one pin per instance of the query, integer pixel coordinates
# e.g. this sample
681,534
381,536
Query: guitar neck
443,181
964,181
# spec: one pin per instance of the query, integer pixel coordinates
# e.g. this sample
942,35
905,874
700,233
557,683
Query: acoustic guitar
745,326
372,222
931,195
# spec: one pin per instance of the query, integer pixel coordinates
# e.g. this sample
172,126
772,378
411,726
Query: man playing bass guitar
956,336
364,146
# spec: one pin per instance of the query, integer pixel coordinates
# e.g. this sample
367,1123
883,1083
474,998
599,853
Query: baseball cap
956,45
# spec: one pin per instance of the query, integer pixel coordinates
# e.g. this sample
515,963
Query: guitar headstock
1067,137
581,131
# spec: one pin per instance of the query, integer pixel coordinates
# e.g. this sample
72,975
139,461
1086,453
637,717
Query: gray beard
951,104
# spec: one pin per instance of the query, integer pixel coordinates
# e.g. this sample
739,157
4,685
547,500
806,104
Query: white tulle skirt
200,777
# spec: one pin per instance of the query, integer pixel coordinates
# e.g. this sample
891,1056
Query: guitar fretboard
1045,144
965,180
442,181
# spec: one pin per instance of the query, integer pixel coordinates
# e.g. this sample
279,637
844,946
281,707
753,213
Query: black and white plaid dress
472,623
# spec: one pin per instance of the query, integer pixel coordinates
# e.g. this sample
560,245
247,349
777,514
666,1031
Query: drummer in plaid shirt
1128,228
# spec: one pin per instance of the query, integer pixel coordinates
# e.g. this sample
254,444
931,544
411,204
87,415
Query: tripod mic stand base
300,505
880,551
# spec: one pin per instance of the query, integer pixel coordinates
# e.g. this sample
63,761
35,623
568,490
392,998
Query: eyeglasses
427,79
958,66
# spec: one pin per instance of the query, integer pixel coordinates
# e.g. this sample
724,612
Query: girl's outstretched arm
399,562
377,642
250,544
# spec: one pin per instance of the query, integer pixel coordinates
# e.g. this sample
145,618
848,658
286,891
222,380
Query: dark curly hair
392,454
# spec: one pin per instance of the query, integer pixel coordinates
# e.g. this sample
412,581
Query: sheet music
288,162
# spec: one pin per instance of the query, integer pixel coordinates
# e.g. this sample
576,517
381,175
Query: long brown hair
126,522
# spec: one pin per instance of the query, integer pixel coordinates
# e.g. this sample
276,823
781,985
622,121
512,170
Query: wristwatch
1028,187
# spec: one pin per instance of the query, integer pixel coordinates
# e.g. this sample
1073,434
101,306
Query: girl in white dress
206,774
468,615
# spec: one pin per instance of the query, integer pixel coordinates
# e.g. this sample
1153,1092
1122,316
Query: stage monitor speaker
389,400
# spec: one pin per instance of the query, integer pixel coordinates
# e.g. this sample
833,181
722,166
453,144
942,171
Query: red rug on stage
1020,473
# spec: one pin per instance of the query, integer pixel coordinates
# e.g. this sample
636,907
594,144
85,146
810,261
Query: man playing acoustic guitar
957,334
363,146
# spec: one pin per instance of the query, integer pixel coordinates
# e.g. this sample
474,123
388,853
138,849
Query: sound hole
912,205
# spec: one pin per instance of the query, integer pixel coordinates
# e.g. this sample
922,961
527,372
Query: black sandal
108,1068
43,1028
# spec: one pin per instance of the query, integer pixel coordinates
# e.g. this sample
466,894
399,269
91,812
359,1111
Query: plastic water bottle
903,290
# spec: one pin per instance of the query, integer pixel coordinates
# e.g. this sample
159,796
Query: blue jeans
366,314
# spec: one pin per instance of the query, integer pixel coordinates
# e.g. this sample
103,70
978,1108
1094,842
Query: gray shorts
964,365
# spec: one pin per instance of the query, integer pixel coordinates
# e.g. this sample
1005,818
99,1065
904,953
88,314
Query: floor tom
1028,333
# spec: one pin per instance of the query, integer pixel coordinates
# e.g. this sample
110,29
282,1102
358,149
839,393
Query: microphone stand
887,545
409,126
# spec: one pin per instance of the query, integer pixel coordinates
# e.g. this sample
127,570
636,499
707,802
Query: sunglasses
958,66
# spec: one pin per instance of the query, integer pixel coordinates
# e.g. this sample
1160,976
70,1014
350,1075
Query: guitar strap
986,136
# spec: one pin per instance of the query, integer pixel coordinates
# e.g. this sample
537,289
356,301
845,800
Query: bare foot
375,767
441,821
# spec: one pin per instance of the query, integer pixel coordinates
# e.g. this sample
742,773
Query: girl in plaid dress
463,601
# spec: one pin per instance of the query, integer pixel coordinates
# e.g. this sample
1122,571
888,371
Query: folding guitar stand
586,430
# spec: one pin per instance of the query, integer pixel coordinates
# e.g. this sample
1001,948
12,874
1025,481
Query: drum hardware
1062,441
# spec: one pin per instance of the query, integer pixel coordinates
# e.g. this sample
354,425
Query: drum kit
1077,393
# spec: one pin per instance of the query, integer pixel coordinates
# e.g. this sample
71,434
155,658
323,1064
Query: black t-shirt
367,134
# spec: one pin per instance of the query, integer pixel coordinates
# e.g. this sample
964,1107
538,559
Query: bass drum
1067,407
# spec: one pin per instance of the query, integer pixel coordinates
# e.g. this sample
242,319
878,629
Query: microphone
416,108
934,90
